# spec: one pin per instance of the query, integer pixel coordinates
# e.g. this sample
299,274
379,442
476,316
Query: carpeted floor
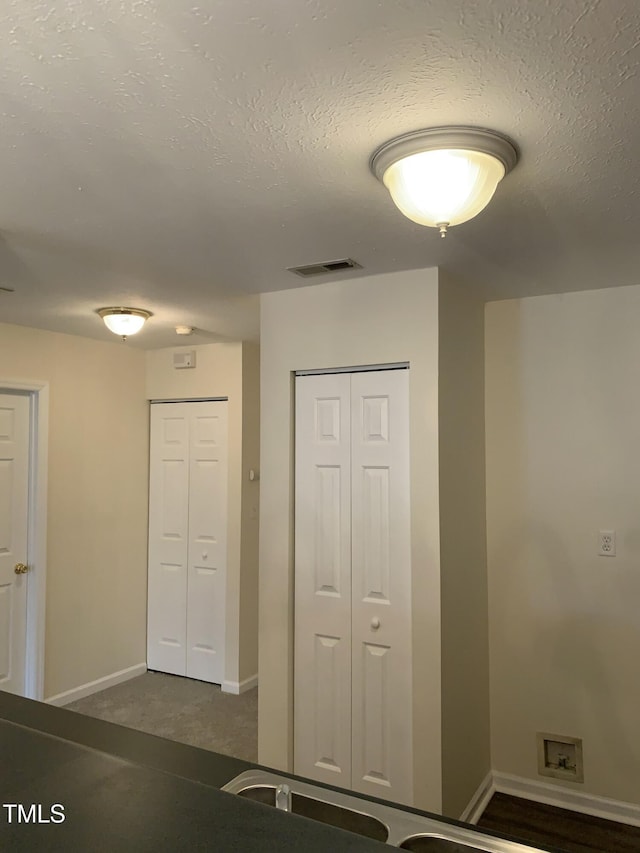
181,709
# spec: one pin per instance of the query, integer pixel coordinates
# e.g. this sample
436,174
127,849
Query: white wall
97,500
563,461
378,319
463,564
219,372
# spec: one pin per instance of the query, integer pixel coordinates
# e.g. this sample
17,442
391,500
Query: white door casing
322,647
187,539
352,669
14,530
381,587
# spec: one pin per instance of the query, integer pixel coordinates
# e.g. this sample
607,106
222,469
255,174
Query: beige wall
463,565
563,428
219,372
97,500
378,319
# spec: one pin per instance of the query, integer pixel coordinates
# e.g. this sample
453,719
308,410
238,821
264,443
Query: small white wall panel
322,678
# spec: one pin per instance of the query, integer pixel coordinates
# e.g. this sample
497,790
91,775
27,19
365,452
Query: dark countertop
124,790
198,765
127,791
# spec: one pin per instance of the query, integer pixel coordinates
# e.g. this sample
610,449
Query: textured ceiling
178,157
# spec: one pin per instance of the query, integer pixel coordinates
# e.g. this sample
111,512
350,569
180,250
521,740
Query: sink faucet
283,798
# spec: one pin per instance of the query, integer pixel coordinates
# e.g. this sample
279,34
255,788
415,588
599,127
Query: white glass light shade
443,176
124,321
443,187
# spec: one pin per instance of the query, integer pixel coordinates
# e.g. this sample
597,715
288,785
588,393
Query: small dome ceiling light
124,321
446,175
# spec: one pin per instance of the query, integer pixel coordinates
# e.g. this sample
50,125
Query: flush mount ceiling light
124,321
446,175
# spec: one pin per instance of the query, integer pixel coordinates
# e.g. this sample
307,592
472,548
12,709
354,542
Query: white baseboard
238,687
567,798
97,685
479,801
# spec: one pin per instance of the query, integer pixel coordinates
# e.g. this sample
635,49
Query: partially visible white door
14,506
187,539
322,678
381,587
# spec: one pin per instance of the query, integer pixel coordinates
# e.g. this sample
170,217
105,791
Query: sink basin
398,828
358,822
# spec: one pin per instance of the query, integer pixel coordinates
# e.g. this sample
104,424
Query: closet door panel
381,585
207,553
168,538
322,664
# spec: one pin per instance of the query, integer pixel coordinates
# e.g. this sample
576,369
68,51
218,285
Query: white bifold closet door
352,676
188,539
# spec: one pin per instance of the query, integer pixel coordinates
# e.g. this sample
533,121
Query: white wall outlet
607,543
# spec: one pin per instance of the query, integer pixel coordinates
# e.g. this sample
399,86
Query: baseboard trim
479,801
567,798
95,686
238,687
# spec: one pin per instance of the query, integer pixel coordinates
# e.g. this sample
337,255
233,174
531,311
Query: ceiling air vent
327,267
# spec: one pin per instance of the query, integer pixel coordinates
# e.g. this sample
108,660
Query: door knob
20,568
375,623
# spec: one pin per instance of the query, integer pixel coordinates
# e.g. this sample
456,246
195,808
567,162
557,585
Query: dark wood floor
566,830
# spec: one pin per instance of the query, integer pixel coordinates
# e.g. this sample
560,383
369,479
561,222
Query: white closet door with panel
322,715
207,553
381,585
14,512
168,538
187,539
352,671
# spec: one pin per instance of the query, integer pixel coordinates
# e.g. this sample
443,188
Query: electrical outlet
607,540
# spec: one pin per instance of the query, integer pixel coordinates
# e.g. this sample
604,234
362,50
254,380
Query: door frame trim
362,368
38,393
